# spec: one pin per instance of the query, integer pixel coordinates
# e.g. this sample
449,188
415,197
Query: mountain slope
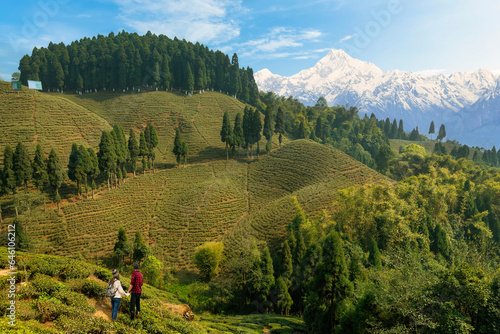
175,216
415,98
50,120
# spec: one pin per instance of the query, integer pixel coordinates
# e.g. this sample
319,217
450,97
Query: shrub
103,273
47,285
207,258
26,311
50,267
71,298
88,287
49,308
86,324
26,327
76,269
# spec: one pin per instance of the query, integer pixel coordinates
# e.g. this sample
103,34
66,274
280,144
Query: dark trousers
135,303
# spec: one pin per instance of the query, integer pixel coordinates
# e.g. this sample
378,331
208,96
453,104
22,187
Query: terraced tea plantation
178,209
199,117
175,209
50,120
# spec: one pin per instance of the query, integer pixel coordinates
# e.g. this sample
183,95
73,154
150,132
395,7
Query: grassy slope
60,295
51,120
311,172
199,117
177,209
175,216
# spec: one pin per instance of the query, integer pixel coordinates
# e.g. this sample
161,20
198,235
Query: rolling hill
50,120
220,200
175,209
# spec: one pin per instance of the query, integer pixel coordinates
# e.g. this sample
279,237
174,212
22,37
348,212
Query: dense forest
129,61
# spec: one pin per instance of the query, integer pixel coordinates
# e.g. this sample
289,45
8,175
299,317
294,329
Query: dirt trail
103,308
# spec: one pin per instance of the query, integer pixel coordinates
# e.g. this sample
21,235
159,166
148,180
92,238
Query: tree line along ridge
129,61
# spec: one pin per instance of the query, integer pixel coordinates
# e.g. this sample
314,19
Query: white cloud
346,38
195,20
278,42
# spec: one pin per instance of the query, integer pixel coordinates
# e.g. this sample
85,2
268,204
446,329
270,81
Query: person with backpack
115,292
135,289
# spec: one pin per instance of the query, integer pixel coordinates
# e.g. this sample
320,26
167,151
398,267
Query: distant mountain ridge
416,98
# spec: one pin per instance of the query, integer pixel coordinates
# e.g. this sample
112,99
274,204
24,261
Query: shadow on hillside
101,95
217,153
207,153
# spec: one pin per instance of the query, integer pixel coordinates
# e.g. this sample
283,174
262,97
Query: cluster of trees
441,133
125,60
365,139
84,167
125,253
418,256
115,151
20,171
248,129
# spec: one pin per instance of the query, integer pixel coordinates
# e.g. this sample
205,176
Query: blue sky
284,36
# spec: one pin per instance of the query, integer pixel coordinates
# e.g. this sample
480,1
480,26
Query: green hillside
310,172
60,295
51,120
176,216
199,117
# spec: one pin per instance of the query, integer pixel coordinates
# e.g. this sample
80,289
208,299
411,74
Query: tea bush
76,269
47,285
72,298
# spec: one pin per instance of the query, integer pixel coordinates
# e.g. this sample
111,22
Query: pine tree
247,126
432,129
140,249
73,164
238,136
442,133
401,130
256,128
266,264
40,175
122,247
184,151
93,170
374,256
332,277
268,127
151,137
22,240
22,166
133,149
189,79
177,150
143,150
107,156
226,133
318,131
394,129
279,126
56,174
9,176
84,166
284,302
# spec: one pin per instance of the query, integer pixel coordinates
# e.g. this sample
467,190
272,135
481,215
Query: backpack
110,290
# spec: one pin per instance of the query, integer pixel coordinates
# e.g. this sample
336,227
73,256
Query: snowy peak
414,97
337,64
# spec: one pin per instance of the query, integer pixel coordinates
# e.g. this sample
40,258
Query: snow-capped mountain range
468,103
